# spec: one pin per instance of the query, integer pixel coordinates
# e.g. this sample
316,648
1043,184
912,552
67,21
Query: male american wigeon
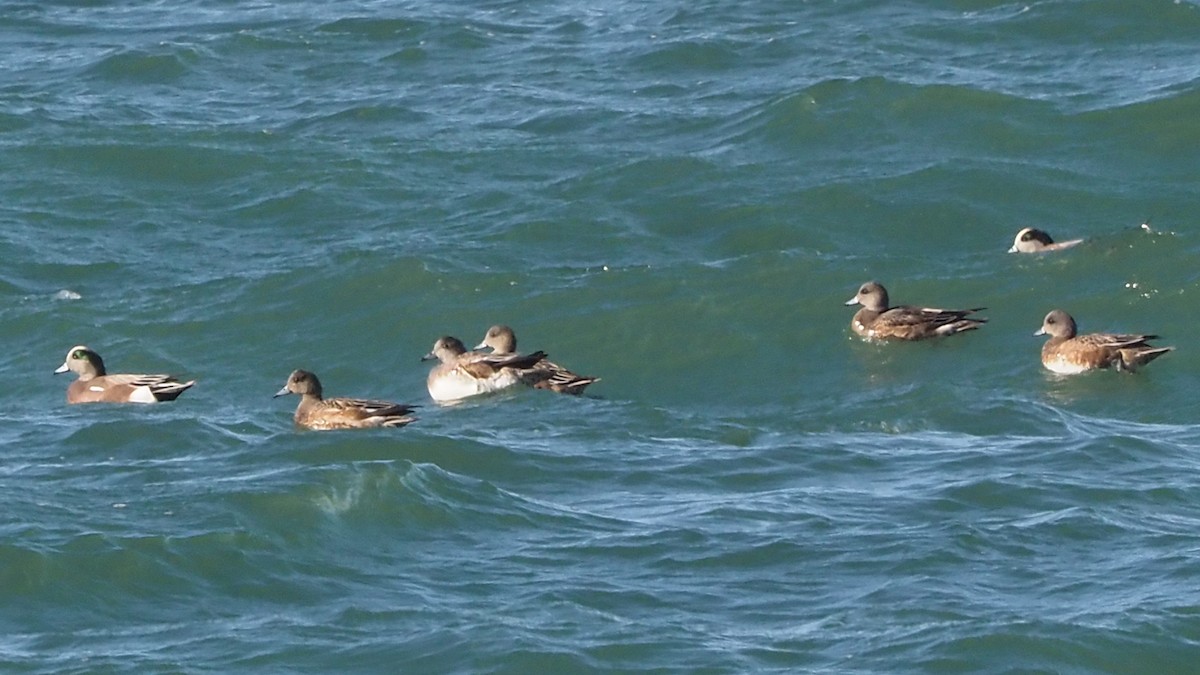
462,374
878,321
544,374
1031,240
95,385
316,412
1068,353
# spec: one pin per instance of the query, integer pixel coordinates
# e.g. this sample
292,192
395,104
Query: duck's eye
1051,320
79,355
864,290
1027,236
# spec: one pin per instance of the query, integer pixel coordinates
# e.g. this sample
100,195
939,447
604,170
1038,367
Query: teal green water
677,198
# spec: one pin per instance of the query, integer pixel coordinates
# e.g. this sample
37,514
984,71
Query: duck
317,412
1068,353
544,374
95,385
1032,240
879,321
461,374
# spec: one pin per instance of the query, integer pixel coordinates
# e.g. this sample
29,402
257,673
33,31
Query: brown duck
877,321
317,412
1068,353
542,375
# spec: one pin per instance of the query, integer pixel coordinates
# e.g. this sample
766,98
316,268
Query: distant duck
462,374
316,412
542,375
878,321
1030,240
95,385
1067,353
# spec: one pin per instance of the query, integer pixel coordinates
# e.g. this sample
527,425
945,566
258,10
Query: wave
136,66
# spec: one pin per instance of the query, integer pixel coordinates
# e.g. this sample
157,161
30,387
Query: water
674,197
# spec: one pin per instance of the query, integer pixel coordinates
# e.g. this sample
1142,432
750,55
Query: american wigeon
544,374
316,412
1068,353
95,385
877,321
462,374
1030,240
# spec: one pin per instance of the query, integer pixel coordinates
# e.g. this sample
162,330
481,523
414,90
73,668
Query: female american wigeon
544,374
1067,353
877,321
316,412
462,374
95,385
1030,240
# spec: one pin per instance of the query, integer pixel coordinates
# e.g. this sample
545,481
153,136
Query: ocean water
676,197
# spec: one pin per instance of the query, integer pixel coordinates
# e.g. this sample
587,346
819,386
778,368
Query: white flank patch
142,395
453,387
1064,367
458,385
